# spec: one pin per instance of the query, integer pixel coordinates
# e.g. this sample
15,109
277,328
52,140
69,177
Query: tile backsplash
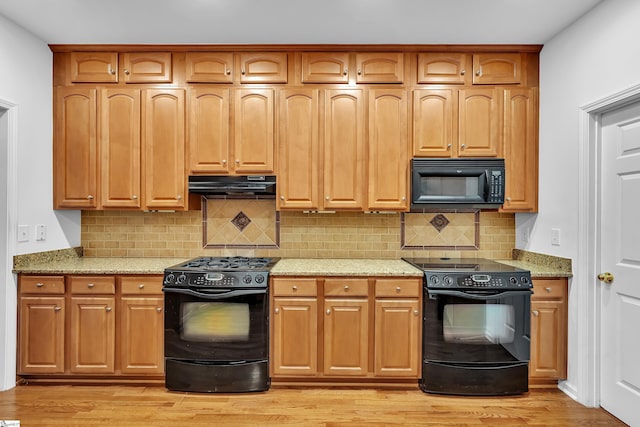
301,235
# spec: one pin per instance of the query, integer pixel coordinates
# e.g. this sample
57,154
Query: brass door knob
605,277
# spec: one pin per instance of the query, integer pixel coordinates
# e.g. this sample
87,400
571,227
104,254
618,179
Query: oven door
476,327
216,325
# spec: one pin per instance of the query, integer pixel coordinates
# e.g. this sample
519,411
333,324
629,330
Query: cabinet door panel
164,141
147,67
433,123
397,333
209,67
92,340
253,130
75,149
209,130
446,68
385,67
298,149
41,335
388,150
346,337
344,149
548,342
497,68
325,67
479,123
142,335
295,337
263,67
93,67
120,147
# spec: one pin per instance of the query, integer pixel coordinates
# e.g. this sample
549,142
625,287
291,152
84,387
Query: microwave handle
470,295
487,187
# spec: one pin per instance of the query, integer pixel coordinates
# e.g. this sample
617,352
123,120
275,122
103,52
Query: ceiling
295,21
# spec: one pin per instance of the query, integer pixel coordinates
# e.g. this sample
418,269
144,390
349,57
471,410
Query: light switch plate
555,236
41,232
23,233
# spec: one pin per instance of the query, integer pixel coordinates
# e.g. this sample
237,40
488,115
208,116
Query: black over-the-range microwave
465,183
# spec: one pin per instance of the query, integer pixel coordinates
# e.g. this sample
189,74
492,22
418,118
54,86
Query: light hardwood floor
43,405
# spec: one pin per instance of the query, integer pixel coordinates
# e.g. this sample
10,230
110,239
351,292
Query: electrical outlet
555,236
23,233
41,232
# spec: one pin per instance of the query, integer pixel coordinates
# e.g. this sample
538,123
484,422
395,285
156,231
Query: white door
620,256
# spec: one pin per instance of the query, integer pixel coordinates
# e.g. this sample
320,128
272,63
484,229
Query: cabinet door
479,123
41,335
548,340
325,67
294,346
209,130
497,68
142,335
388,149
445,68
434,130
397,338
92,335
253,131
120,148
298,149
209,67
147,67
344,153
346,337
380,67
93,67
164,143
521,150
75,148
263,67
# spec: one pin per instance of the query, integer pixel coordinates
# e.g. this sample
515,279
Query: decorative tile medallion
439,222
241,221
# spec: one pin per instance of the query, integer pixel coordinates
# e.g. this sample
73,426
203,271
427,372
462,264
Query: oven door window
478,324
215,321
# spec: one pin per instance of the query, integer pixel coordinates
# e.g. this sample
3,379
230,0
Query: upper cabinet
385,67
497,68
325,67
370,67
493,68
93,67
209,67
445,68
147,67
263,67
137,67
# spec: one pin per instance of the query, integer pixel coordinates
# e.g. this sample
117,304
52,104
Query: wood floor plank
134,406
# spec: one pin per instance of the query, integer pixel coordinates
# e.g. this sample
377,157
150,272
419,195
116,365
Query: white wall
595,57
25,80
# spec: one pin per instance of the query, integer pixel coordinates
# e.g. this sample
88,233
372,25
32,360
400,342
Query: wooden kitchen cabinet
263,67
548,362
209,145
521,150
147,67
379,67
497,68
41,325
253,124
75,150
479,123
209,67
434,125
325,67
93,67
443,68
388,160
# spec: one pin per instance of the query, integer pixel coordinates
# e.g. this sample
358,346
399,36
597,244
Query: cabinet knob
108,309
346,287
535,312
178,197
359,72
110,70
141,286
547,289
224,162
345,72
462,72
39,285
90,197
243,73
281,197
398,289
463,146
448,146
508,199
479,71
416,312
404,198
127,72
294,288
277,310
328,311
159,309
56,308
327,198
227,72
90,285
237,161
134,197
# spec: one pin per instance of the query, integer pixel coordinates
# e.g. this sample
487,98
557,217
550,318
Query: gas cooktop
227,264
220,272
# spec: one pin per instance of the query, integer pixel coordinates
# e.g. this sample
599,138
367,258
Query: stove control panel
235,279
478,280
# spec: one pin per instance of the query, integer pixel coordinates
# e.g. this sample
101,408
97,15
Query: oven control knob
513,280
259,278
434,280
246,279
181,278
448,280
525,280
169,278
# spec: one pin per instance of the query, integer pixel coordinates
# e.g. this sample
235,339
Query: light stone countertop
344,267
537,270
88,265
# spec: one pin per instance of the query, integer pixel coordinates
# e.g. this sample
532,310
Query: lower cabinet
329,329
82,326
548,362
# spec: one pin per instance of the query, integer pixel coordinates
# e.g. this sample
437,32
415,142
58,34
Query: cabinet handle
178,197
127,72
159,309
448,146
345,72
398,289
294,288
346,287
227,71
90,285
243,73
535,312
281,197
56,308
404,198
327,198
328,311
547,289
416,312
224,162
462,72
141,286
463,146
108,309
90,197
277,310
111,70
134,197
359,72
479,71
508,199
39,285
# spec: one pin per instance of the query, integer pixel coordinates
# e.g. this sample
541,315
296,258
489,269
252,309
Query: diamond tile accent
439,222
241,221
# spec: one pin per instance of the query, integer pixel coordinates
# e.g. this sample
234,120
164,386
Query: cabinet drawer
141,285
53,285
548,289
398,288
346,287
92,284
295,287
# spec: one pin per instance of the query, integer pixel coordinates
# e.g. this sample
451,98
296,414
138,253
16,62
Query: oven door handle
470,295
217,295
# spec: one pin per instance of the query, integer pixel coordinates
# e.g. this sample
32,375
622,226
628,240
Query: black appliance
253,185
216,319
467,183
476,327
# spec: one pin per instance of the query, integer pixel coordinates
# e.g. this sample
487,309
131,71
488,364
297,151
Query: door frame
588,295
8,289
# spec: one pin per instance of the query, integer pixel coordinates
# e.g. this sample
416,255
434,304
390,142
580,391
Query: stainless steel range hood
249,185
